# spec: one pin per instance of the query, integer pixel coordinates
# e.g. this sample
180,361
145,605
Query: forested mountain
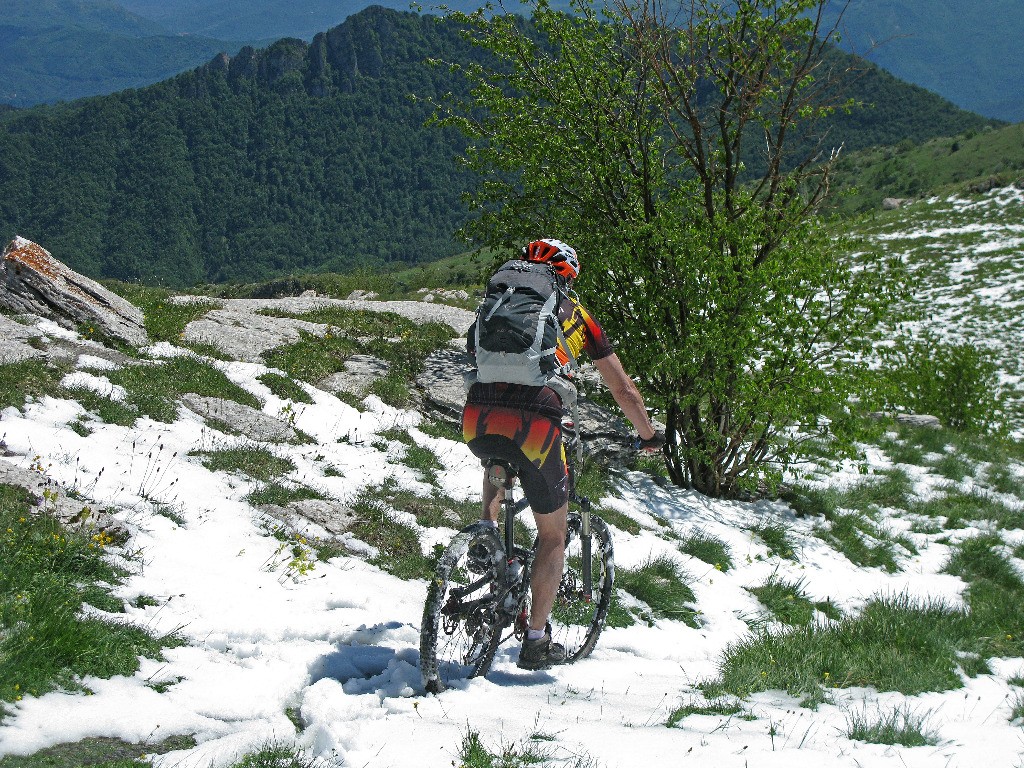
970,52
65,49
297,157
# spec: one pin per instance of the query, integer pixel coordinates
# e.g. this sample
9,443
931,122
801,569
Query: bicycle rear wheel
457,635
577,618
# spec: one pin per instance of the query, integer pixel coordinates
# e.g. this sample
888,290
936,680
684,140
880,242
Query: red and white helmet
559,256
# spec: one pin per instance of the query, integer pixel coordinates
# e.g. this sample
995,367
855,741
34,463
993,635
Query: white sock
534,634
492,523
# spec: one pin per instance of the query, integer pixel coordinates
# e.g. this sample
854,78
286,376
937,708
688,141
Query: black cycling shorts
530,441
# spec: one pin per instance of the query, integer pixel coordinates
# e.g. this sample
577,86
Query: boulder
38,284
333,516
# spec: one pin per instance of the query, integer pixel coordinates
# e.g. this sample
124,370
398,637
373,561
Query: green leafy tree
686,157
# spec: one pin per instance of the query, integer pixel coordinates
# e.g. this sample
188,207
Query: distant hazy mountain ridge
294,157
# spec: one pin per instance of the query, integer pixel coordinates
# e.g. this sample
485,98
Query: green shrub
957,382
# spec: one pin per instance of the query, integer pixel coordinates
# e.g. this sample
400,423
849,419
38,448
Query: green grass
895,644
152,389
164,320
434,511
97,753
28,378
400,342
861,541
776,538
661,583
108,410
252,460
723,706
49,572
960,508
898,726
711,550
281,495
274,755
473,753
784,600
285,388
397,544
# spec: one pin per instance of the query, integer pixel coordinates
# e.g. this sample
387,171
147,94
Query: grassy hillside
971,161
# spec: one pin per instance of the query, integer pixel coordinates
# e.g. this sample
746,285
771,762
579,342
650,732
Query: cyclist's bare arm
626,395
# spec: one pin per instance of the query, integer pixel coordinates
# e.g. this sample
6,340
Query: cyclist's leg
547,564
492,496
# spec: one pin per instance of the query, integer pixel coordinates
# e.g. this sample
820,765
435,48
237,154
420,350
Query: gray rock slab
242,334
12,351
38,284
240,418
332,516
49,497
441,381
357,378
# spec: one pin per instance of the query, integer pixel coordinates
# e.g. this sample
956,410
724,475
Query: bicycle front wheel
458,636
577,618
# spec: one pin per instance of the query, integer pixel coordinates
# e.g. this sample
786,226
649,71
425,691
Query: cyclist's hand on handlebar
654,445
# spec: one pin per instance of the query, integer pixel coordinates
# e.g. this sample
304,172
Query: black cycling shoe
541,653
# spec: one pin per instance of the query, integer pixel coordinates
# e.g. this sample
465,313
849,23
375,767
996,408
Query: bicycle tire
577,622
456,645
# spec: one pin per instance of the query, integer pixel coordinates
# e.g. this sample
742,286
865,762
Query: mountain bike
479,596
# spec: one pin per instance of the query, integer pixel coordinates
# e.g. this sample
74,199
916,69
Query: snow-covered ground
336,648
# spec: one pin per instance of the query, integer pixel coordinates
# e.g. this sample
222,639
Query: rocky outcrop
36,283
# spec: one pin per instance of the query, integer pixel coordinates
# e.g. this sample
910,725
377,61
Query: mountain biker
522,424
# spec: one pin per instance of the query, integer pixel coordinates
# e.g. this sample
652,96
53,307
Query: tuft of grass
397,544
620,520
961,508
722,706
784,600
49,572
152,389
893,490
898,726
274,755
97,753
473,753
28,379
776,538
861,541
400,342
108,410
895,644
446,430
253,460
434,511
661,583
281,495
711,550
285,388
164,320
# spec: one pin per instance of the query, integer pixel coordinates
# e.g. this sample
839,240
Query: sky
339,645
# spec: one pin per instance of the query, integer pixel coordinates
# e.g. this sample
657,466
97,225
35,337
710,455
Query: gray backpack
517,332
